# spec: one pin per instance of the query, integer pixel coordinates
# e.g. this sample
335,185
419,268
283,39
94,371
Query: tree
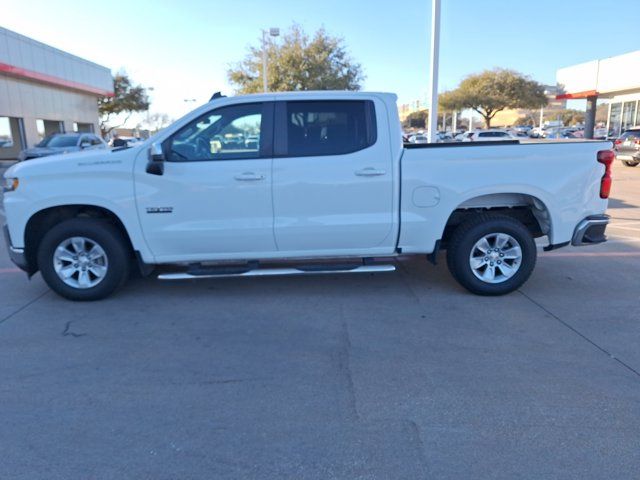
492,91
298,63
128,98
157,121
416,119
602,113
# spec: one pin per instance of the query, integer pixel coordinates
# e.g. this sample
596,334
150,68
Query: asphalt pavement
387,376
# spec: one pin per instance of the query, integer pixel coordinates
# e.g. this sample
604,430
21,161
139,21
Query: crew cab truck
324,186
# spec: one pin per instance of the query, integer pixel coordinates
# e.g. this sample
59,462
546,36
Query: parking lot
390,376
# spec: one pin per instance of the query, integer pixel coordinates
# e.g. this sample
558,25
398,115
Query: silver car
63,143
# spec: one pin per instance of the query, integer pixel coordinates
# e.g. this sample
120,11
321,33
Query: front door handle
249,177
370,172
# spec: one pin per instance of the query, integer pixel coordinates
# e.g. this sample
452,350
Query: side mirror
155,165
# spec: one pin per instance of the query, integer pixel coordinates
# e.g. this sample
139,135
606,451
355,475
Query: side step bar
268,272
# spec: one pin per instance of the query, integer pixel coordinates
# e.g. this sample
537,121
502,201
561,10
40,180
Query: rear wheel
631,163
84,259
491,254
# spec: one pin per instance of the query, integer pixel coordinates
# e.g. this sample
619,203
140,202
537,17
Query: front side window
329,127
227,133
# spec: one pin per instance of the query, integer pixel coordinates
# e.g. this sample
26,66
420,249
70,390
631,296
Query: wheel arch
42,221
526,208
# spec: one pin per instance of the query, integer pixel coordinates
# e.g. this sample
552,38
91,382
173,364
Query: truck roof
314,94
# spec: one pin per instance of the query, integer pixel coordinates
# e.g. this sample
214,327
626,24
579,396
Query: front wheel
630,163
84,259
491,254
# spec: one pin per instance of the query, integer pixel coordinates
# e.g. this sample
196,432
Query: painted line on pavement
10,270
619,227
591,254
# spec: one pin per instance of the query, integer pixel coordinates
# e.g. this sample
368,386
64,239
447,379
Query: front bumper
16,255
590,231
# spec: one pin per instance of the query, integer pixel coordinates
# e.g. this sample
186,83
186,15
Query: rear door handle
370,172
249,177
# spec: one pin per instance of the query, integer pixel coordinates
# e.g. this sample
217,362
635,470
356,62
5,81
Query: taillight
617,142
606,157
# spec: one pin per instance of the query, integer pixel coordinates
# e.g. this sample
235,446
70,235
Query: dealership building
614,79
44,90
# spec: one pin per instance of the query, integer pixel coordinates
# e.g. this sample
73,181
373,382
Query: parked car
63,143
600,133
555,133
444,137
252,141
418,139
523,129
129,141
536,132
627,147
462,136
491,135
331,189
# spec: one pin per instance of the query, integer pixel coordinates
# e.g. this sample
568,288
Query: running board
268,272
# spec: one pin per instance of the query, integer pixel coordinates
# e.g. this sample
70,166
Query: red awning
51,80
571,96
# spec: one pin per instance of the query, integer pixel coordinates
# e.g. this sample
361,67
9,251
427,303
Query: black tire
107,236
465,237
630,163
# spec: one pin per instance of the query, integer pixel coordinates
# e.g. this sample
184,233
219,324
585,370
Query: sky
183,48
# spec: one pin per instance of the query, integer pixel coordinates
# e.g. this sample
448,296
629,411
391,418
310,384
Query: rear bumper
590,231
16,255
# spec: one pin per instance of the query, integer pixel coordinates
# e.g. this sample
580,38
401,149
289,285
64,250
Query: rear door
332,178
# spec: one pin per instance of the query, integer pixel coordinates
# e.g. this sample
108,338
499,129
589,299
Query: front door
214,199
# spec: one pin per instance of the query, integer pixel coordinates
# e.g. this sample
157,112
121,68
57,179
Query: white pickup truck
299,183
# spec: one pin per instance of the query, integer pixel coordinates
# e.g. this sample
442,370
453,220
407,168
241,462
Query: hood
44,151
70,162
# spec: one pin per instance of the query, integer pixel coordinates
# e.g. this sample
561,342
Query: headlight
10,184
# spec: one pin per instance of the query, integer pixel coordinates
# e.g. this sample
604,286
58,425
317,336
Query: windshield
59,141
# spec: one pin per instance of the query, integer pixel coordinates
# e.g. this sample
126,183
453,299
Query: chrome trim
267,272
16,255
582,227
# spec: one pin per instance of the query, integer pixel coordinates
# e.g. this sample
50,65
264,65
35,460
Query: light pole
433,81
273,32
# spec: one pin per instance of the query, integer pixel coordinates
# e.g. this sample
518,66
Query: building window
615,120
628,115
6,135
82,127
48,127
12,138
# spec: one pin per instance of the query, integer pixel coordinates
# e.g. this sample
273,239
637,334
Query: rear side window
329,127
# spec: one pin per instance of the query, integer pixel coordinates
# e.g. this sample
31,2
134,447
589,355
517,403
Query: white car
491,135
462,136
327,188
418,139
